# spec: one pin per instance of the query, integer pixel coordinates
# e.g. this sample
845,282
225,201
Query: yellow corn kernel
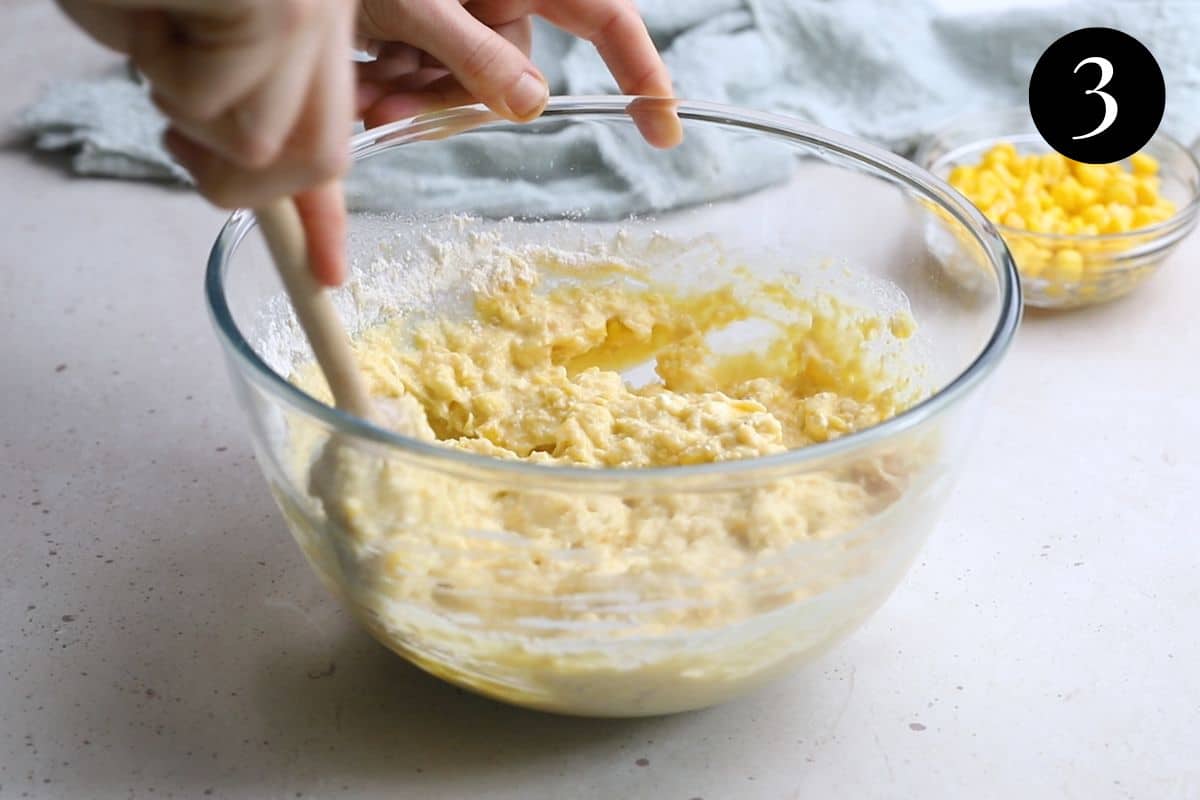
1145,216
1013,220
964,178
1020,246
1025,261
995,157
1143,164
1030,268
1063,196
1029,208
1066,193
1122,193
1123,179
1068,265
1068,257
1053,165
1114,224
989,179
1006,177
960,172
1041,223
1096,215
1120,218
1089,174
1030,258
1088,195
1146,191
996,211
1032,251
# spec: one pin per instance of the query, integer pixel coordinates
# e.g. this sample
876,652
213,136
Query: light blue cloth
886,70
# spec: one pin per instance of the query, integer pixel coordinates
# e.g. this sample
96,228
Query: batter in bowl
457,574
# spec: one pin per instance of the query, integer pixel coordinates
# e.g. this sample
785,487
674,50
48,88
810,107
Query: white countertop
161,635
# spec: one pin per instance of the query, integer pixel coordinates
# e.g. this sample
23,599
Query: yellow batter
478,579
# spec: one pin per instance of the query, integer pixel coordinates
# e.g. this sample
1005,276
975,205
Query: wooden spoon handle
280,224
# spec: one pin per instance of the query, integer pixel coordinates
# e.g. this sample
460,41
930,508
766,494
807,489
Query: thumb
489,67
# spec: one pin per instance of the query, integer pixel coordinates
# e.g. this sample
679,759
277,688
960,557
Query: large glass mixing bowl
637,631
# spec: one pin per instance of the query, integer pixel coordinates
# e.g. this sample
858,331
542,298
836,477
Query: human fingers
223,183
317,149
616,29
228,185
518,31
657,119
490,67
395,60
443,92
323,214
112,27
369,93
205,66
265,118
619,34
420,91
323,209
253,131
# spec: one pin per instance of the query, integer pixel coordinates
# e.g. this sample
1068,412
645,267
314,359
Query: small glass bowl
1113,263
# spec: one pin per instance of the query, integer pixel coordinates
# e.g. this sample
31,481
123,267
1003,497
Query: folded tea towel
886,70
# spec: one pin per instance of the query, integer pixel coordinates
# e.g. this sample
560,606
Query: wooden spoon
281,227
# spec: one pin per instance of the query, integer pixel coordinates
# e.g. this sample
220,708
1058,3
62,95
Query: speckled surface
161,637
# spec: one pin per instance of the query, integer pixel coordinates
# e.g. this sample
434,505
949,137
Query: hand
441,53
259,94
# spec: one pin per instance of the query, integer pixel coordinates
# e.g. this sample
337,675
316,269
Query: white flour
417,267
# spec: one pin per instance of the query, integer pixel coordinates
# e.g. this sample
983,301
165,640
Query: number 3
1110,104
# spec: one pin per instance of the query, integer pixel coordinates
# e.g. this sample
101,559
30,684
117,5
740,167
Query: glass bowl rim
471,117
1183,217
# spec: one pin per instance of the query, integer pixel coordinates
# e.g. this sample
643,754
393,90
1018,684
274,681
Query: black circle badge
1097,95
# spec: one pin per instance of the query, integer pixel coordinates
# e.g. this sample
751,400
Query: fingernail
527,97
658,121
368,47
